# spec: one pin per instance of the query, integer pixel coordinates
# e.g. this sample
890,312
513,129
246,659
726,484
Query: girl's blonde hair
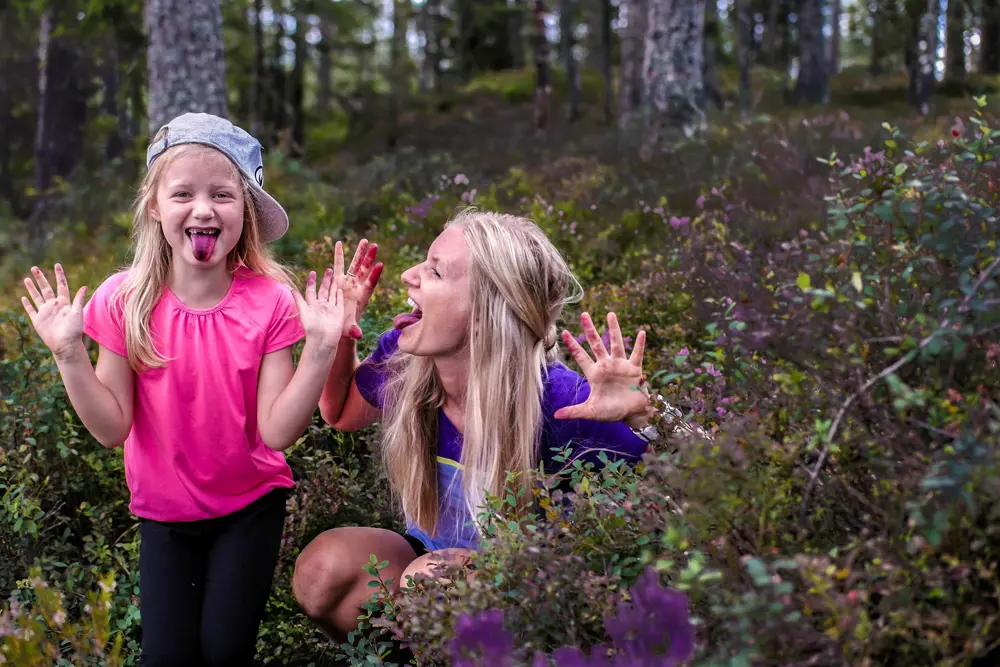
519,285
142,287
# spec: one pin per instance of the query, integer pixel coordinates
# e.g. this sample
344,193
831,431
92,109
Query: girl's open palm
616,392
358,283
57,319
321,311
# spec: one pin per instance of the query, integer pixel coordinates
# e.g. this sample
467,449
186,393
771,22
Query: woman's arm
342,405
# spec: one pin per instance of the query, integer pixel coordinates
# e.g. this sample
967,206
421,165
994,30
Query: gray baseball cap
240,147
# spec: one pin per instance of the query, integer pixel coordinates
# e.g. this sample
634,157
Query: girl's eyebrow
439,261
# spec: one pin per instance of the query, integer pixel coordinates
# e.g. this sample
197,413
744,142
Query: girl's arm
102,398
287,396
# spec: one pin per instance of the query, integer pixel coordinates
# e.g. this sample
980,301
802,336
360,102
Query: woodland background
797,199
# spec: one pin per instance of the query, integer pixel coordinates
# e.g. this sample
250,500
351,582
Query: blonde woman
468,389
195,377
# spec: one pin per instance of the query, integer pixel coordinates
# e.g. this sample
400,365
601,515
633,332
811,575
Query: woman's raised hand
617,391
358,283
57,319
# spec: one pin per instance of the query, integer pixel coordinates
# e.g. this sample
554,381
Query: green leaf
856,280
803,281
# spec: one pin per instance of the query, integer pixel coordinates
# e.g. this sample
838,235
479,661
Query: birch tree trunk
672,71
186,64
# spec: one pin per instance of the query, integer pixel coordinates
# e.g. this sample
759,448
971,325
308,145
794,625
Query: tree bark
744,42
633,42
543,84
771,39
607,46
397,66
569,59
923,66
672,71
812,85
878,38
297,83
324,67
515,22
711,49
835,39
990,53
256,112
112,85
186,63
955,42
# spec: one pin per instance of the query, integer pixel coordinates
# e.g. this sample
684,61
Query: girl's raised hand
616,382
358,283
57,319
321,311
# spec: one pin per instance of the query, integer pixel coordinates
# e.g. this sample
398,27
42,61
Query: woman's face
439,292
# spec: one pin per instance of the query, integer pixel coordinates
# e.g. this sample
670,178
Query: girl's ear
154,211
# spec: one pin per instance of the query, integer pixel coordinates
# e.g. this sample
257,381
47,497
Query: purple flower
481,640
684,352
677,223
657,623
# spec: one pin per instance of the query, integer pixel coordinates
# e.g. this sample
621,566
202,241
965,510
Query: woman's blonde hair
142,287
519,285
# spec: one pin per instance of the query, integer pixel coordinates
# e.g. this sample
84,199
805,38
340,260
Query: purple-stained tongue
202,245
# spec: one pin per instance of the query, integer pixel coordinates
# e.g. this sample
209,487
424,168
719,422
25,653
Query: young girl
195,376
468,389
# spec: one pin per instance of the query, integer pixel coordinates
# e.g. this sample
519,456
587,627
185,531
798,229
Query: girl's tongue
202,244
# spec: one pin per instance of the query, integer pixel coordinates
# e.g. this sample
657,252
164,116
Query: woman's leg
428,563
330,582
172,565
238,582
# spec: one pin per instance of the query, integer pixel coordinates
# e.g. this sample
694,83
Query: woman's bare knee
330,583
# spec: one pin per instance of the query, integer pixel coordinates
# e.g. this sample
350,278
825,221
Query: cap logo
259,175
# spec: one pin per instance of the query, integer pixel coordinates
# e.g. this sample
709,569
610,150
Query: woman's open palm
358,283
615,380
57,319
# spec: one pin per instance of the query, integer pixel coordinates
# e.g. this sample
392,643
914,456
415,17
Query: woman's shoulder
562,386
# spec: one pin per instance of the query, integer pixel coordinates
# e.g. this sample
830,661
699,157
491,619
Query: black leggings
204,585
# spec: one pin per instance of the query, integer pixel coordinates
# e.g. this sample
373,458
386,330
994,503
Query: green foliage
820,297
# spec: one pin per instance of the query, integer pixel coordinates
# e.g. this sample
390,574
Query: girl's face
199,204
439,292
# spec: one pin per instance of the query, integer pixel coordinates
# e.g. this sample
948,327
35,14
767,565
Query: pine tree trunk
257,101
812,84
515,22
186,63
955,42
771,38
112,85
607,46
834,68
990,53
297,87
878,37
924,71
744,42
569,59
633,44
672,71
543,84
710,56
324,68
397,66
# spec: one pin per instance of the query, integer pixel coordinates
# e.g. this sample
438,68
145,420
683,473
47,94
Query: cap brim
272,221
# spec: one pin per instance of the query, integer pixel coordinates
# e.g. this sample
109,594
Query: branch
910,356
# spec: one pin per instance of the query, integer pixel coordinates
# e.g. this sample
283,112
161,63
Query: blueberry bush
821,298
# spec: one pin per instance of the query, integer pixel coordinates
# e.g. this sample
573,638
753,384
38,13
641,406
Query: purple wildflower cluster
653,629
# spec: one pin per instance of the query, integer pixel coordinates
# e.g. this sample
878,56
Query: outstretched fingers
580,355
326,286
615,334
43,283
593,338
338,259
638,349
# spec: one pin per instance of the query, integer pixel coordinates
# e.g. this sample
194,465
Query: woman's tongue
404,320
202,245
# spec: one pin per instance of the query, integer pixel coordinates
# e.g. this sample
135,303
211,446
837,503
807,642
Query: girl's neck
197,288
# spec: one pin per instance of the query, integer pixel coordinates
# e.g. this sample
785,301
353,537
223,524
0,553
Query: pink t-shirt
194,451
